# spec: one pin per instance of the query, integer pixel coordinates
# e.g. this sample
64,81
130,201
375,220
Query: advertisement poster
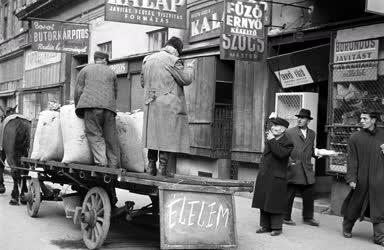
62,37
165,13
294,76
347,55
244,18
205,23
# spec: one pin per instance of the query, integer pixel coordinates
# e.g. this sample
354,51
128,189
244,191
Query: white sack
51,140
76,147
129,130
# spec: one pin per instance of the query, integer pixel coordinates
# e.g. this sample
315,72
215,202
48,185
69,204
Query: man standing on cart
165,113
95,100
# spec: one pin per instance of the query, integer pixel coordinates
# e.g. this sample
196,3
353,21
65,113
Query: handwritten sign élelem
197,219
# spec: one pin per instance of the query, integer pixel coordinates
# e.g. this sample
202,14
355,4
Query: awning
7,93
315,59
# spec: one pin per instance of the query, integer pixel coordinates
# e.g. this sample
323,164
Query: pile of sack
60,136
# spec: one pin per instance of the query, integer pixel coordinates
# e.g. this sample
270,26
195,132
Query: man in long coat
165,113
365,176
270,192
301,175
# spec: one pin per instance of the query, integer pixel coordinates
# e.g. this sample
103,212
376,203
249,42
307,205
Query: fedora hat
304,113
279,121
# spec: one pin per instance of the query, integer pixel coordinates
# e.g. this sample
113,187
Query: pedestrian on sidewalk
270,192
365,176
301,175
165,130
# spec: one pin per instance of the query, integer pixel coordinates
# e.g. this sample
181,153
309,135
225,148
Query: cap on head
100,55
279,121
176,43
304,113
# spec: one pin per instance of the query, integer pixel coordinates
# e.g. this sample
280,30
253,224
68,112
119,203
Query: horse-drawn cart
193,212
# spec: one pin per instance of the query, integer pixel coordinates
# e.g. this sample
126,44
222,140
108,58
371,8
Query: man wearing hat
95,101
301,175
271,184
166,129
365,176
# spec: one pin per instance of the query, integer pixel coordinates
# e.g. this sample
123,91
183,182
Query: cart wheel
34,199
95,217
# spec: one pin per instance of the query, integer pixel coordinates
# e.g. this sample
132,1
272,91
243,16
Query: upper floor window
5,21
15,20
157,39
106,47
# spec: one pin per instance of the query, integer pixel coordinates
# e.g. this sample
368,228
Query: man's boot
163,164
151,168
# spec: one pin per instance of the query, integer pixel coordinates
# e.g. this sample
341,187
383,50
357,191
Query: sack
129,131
51,140
48,141
76,147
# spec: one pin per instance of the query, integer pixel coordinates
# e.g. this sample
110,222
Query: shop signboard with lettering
244,18
37,59
165,13
205,23
54,36
119,68
355,60
245,48
294,76
207,218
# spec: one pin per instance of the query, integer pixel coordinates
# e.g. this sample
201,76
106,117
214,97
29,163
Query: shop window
34,103
106,47
5,21
157,39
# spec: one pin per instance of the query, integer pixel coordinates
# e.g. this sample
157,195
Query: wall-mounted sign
119,68
36,59
347,55
57,36
165,13
374,6
294,76
205,23
244,18
14,44
245,48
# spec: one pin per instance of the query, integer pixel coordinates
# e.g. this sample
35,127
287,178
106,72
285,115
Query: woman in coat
270,194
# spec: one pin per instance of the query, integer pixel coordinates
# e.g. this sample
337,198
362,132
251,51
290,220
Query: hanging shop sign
374,6
165,13
37,59
294,76
55,36
245,48
244,18
355,60
119,68
205,23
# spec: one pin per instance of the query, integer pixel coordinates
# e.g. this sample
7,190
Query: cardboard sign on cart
197,217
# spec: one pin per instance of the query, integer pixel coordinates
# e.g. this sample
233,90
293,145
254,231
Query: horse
16,137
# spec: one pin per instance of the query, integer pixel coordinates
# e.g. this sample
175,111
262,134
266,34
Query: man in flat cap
95,100
166,130
301,174
365,176
270,192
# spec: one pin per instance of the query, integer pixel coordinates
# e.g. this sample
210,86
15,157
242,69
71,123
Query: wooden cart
194,212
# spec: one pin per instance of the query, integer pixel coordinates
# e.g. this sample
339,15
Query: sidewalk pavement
300,237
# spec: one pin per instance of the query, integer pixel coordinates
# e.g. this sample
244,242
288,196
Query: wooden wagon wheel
34,197
95,217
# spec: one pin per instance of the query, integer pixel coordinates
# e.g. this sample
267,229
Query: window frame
152,46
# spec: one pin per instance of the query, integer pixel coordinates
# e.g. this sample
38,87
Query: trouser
271,221
307,195
163,157
101,132
378,229
1,175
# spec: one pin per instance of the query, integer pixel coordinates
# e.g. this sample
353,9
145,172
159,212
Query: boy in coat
271,185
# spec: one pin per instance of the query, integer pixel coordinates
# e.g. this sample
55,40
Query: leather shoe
289,222
276,232
347,234
263,230
312,222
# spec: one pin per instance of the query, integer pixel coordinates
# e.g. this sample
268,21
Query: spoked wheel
95,217
33,197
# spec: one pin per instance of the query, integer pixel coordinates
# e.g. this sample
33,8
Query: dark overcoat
366,169
300,169
165,126
270,193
